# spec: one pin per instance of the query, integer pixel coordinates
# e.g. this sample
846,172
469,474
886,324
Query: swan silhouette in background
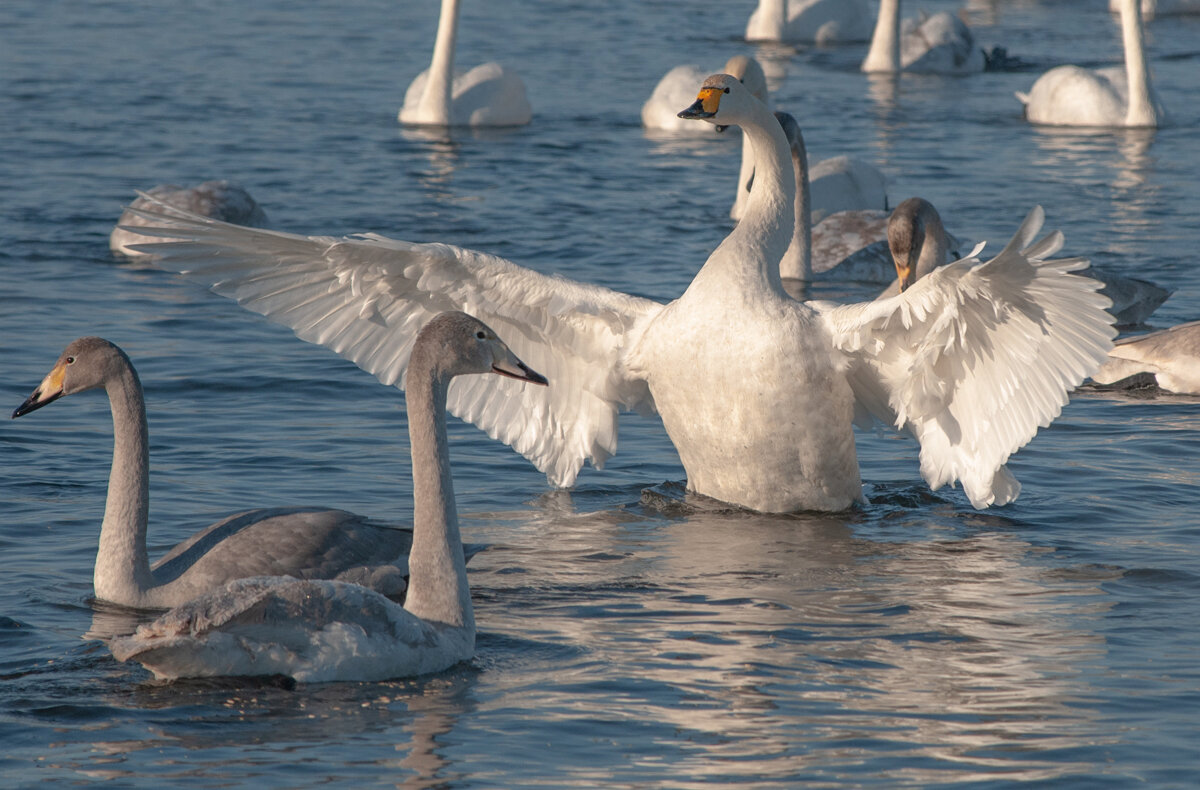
937,44
1114,96
756,390
815,21
324,630
217,199
301,542
678,87
487,95
1155,8
1171,356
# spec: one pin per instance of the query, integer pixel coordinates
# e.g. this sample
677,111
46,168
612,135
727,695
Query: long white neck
797,262
884,54
769,21
122,566
751,253
438,591
1141,111
435,104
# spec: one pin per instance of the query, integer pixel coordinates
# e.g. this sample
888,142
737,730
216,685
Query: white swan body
1120,96
815,21
937,44
217,199
755,389
322,630
1153,8
487,95
305,543
1171,356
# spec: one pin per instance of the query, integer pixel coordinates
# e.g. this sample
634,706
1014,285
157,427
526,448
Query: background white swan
1171,356
816,21
217,199
487,95
1153,8
754,388
299,542
321,630
937,44
1115,96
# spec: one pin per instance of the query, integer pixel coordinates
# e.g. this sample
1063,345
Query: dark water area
630,636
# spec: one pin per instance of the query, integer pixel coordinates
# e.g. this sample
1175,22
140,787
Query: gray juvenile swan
1171,356
321,630
306,543
221,200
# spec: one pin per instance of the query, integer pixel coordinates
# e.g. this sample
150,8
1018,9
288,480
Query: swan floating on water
937,44
317,631
300,542
757,391
217,199
1171,356
487,95
1114,96
815,21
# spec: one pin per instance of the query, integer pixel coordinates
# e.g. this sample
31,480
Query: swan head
723,100
454,343
87,363
910,224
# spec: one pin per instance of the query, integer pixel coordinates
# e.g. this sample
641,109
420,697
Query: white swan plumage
300,542
217,199
810,21
487,95
324,630
756,390
1156,8
1171,356
1116,96
937,44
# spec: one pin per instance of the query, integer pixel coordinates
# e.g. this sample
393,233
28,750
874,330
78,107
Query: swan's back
1074,96
941,43
215,199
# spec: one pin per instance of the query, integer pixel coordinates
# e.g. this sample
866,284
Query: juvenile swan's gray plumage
321,630
305,543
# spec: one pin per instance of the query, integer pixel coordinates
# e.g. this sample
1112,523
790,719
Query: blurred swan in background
756,390
1114,96
810,21
1153,8
937,44
217,199
301,542
322,630
487,95
1171,356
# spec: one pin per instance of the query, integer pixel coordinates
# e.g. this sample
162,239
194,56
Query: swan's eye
70,360
481,335
727,90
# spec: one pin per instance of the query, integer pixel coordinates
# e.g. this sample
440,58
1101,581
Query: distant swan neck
438,590
772,20
435,104
1141,110
797,262
122,565
884,54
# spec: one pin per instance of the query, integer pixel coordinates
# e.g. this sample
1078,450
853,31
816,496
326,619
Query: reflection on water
775,59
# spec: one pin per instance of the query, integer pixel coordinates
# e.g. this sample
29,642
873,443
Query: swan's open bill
321,630
308,543
757,391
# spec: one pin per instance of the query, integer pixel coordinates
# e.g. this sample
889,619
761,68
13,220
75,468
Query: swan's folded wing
366,297
974,358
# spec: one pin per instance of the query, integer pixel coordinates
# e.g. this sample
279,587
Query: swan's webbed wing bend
366,296
975,357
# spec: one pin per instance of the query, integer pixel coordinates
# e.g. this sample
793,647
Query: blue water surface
628,637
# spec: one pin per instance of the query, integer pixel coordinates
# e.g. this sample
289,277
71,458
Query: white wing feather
366,296
975,357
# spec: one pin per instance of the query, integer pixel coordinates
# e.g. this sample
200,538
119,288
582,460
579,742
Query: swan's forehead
712,90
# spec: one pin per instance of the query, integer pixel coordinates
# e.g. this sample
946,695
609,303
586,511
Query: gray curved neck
797,262
438,87
438,591
884,54
936,247
122,565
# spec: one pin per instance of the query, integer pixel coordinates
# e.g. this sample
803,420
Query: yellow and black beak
50,391
708,101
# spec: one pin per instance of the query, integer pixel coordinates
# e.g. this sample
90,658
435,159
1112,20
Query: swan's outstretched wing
366,297
975,357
